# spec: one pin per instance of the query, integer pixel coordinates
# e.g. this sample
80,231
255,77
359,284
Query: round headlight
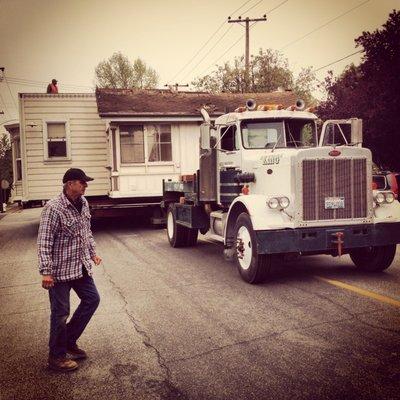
380,198
273,203
389,197
284,202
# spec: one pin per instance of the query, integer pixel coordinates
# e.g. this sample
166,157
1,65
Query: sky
45,39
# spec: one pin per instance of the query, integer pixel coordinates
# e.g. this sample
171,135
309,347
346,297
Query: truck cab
267,186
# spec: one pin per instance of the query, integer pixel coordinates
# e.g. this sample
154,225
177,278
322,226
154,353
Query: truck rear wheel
253,267
374,258
178,235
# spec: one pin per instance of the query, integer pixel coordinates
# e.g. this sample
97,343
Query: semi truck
269,186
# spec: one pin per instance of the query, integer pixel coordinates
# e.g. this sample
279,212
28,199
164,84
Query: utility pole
247,20
1,73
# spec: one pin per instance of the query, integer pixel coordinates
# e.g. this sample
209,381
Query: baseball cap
76,174
54,81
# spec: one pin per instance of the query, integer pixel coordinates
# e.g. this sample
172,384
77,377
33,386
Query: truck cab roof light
269,107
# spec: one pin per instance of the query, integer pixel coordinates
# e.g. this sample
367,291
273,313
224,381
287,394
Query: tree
119,73
5,159
268,71
371,91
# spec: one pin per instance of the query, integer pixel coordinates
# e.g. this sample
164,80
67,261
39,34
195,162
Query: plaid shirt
65,240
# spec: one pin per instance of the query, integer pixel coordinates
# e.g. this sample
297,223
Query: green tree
5,159
118,72
268,71
371,91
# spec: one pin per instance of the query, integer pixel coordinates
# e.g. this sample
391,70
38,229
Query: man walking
66,248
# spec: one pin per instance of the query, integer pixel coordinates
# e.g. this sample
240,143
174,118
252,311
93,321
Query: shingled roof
158,102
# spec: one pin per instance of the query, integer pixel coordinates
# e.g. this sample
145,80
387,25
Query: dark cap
76,174
54,81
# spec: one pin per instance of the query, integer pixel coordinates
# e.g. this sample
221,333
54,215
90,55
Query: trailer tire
253,267
374,258
176,233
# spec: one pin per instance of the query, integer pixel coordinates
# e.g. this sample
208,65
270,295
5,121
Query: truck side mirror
205,133
356,130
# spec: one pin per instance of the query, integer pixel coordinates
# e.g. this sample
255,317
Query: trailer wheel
374,258
253,267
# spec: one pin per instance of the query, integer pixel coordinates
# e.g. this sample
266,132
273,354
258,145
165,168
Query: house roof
159,102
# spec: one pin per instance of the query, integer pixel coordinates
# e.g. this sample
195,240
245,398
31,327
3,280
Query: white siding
88,143
189,147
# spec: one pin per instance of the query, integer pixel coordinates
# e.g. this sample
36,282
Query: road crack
174,393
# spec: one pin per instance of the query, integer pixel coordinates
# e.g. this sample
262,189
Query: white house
127,140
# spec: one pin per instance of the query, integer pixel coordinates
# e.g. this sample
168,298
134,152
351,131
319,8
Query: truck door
229,159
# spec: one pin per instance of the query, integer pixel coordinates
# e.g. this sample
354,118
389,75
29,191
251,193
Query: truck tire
176,233
191,236
373,259
253,267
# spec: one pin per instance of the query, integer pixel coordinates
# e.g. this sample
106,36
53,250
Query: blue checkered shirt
65,240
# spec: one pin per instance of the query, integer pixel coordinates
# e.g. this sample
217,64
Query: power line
212,48
255,5
206,43
341,59
24,81
323,25
240,38
12,97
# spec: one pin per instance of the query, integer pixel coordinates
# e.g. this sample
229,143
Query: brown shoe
62,364
76,353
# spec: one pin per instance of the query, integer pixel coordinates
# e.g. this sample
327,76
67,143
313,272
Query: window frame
145,144
16,143
67,157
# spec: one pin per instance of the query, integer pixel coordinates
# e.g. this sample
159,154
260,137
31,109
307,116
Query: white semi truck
267,187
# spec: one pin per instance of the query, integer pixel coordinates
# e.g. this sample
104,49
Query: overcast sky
45,39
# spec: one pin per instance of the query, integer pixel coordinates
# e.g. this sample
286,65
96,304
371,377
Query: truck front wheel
253,267
178,235
374,258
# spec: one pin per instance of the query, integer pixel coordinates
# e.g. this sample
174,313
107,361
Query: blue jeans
63,334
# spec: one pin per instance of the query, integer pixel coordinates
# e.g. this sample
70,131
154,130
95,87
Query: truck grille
345,178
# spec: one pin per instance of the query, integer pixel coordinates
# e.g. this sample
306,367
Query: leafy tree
5,159
119,73
268,71
371,91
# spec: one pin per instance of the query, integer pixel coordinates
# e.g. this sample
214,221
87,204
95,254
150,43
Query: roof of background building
160,102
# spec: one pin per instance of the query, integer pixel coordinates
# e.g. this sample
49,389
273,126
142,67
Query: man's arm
49,223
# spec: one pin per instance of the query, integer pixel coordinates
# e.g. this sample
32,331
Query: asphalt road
181,324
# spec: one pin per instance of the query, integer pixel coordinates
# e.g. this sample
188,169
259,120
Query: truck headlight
389,197
380,198
273,203
284,202
280,202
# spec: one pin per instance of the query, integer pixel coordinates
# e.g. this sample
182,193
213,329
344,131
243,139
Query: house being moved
127,140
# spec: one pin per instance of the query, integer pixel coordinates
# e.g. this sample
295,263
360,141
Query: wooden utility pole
247,21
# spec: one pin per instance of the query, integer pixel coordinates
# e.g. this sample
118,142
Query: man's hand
47,281
96,259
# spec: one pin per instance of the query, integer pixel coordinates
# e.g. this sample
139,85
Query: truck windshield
264,134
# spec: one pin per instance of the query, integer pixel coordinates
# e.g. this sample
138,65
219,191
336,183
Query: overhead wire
341,59
212,48
208,41
12,97
242,36
323,25
30,82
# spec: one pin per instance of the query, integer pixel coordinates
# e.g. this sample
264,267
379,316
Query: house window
56,139
132,144
17,152
159,143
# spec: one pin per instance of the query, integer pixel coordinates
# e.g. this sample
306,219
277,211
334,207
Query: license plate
333,203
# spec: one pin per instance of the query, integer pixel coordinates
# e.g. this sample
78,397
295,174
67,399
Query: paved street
181,324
